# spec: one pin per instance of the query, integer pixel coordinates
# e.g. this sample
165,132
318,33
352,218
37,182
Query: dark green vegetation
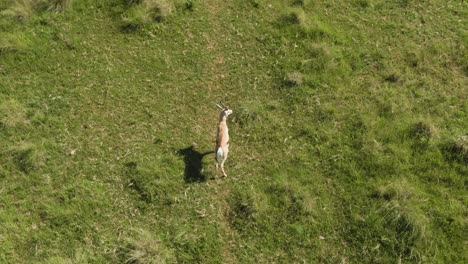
349,132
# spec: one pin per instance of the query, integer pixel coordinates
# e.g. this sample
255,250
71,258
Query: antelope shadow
193,164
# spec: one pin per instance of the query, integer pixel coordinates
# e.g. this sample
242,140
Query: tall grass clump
144,248
22,10
293,79
300,2
402,215
295,16
144,12
12,42
246,116
458,149
58,5
423,131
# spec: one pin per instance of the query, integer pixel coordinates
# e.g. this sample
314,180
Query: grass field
349,137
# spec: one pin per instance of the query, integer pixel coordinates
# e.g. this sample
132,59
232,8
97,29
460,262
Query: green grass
349,131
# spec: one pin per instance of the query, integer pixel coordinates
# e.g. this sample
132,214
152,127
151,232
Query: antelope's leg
222,167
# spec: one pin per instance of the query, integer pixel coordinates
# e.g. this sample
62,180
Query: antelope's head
225,111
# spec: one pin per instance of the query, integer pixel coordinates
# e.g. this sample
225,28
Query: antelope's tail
219,154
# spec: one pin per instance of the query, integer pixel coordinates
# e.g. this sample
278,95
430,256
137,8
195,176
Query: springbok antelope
222,138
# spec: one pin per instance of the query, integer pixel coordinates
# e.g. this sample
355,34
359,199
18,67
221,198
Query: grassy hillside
349,137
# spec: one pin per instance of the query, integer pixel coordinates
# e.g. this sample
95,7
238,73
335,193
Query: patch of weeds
413,59
242,211
144,12
325,63
22,10
245,116
316,29
356,130
134,18
363,3
295,16
188,5
193,248
422,131
26,157
12,42
402,214
404,3
147,183
392,78
301,3
13,114
287,201
399,190
67,41
4,173
293,79
320,55
457,149
255,3
58,5
158,10
143,247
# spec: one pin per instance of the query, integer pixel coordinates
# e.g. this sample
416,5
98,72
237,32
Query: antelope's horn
220,107
225,107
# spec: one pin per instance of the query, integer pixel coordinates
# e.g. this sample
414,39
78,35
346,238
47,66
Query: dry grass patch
145,249
22,10
13,114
